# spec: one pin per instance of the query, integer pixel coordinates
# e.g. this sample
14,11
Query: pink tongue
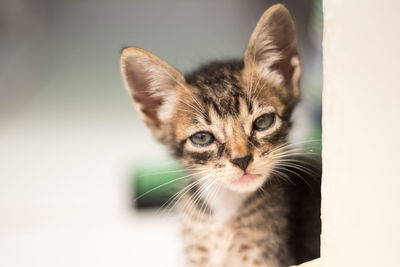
246,177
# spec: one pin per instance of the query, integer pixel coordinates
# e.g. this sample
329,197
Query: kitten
250,201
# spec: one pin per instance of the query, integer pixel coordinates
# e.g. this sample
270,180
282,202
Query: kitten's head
226,120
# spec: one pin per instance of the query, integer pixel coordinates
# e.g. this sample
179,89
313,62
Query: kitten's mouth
247,177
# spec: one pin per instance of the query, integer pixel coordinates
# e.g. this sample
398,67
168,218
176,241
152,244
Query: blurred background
71,144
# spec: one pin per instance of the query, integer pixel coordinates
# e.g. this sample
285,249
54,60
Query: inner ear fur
151,83
272,50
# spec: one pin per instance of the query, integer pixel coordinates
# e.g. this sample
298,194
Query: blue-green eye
202,138
264,122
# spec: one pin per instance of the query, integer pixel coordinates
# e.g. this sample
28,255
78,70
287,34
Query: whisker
188,207
167,183
169,171
181,191
298,161
206,197
295,166
174,200
295,173
282,175
203,183
292,153
287,144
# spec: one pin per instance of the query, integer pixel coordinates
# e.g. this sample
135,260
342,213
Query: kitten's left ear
152,83
272,50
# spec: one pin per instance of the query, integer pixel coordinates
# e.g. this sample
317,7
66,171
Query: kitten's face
225,126
226,121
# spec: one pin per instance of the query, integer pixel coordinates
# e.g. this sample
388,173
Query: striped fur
235,214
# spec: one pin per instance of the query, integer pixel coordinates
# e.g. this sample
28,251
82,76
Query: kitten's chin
247,183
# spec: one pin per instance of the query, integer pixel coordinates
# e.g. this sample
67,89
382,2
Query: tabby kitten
249,201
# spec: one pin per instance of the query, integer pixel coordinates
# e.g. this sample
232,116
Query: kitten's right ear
151,83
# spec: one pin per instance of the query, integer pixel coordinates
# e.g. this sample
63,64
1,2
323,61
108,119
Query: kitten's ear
151,83
272,49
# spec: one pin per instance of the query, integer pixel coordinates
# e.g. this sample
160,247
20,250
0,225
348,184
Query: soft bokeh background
69,137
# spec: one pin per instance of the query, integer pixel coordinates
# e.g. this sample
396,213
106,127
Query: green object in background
153,186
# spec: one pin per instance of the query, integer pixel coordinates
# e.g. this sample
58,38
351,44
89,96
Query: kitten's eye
264,122
202,138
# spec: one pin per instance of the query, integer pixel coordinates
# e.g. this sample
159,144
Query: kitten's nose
242,162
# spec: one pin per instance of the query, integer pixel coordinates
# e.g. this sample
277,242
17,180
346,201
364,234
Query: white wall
361,130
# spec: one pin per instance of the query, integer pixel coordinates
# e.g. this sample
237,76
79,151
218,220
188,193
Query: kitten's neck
224,202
